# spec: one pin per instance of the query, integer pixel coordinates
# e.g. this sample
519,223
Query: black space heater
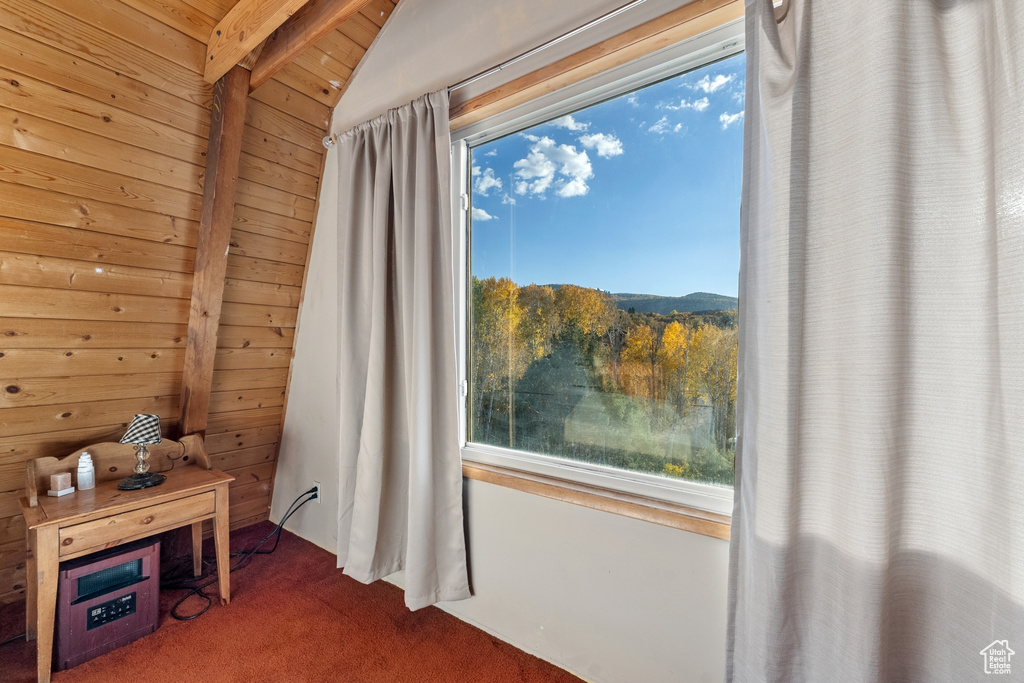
106,600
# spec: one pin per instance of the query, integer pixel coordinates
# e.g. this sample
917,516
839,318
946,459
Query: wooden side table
84,522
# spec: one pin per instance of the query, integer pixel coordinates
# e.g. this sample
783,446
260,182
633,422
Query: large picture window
603,260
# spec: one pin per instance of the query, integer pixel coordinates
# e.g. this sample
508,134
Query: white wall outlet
319,492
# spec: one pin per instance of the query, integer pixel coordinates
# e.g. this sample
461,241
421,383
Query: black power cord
11,640
245,555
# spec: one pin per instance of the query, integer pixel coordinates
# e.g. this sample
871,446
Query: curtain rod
539,48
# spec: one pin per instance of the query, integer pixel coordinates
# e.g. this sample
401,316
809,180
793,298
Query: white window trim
724,41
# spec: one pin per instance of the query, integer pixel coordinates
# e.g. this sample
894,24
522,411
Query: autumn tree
643,348
585,315
500,357
541,322
675,355
714,353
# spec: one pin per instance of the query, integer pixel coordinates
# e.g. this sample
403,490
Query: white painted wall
612,599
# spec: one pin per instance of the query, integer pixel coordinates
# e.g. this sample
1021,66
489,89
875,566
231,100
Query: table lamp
143,431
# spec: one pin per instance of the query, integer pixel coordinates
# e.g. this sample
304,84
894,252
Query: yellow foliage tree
675,359
714,352
500,356
589,310
640,357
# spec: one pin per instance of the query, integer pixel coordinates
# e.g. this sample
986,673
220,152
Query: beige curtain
878,533
401,476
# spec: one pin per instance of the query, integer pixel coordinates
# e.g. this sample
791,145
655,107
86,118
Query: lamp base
141,481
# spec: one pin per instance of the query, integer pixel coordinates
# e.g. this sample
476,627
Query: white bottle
86,472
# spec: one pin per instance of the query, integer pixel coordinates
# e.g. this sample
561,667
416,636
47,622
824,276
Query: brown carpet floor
294,617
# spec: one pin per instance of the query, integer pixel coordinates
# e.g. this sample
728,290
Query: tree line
561,370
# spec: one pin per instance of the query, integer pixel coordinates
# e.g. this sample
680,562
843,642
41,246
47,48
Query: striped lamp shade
143,431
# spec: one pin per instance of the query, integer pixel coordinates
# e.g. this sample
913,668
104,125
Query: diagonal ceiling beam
311,23
244,27
227,122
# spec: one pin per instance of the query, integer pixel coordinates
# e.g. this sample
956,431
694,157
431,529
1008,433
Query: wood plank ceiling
104,124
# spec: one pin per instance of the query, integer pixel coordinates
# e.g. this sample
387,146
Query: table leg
197,548
220,542
30,584
47,563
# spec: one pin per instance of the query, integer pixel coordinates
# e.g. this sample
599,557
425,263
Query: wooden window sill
647,509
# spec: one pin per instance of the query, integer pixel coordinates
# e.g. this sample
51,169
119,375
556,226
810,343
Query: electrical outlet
319,492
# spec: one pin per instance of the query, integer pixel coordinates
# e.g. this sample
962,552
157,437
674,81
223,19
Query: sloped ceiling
104,118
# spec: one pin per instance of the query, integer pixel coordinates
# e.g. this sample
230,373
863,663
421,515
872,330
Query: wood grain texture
100,249
16,450
21,54
116,53
46,206
304,29
689,20
629,505
240,359
40,420
30,96
243,439
243,28
178,15
268,247
65,362
104,130
28,333
165,176
49,391
223,156
57,273
248,292
41,302
305,111
248,219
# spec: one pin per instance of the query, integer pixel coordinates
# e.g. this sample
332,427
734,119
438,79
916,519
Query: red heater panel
106,600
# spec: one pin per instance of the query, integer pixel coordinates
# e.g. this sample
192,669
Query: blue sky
638,194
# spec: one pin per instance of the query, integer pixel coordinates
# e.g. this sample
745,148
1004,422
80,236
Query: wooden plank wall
104,118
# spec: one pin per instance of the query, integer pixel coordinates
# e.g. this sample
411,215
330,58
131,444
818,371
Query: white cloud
492,153
552,165
485,181
729,119
577,187
696,105
710,85
508,199
634,100
481,215
569,122
607,146
662,126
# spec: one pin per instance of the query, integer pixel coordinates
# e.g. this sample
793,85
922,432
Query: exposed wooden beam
689,20
227,121
244,27
249,61
306,28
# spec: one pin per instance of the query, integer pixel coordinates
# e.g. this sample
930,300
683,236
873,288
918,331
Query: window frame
538,472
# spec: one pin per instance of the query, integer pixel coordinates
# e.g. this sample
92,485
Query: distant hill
691,303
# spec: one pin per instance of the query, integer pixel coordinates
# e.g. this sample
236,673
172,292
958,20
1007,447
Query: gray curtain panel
878,532
400,468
